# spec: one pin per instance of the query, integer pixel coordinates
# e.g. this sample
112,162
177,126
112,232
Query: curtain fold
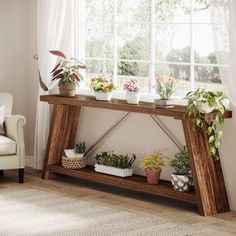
55,32
232,52
224,35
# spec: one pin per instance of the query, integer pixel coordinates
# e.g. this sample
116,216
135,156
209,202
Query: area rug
25,211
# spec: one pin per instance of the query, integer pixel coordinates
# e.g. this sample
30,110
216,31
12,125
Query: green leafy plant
181,162
109,158
66,70
215,101
153,161
80,147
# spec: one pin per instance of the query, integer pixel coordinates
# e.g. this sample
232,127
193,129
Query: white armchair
12,146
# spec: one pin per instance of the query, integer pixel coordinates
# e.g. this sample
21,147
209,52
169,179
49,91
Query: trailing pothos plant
214,100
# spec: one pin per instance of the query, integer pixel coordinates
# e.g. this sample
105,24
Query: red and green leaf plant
67,69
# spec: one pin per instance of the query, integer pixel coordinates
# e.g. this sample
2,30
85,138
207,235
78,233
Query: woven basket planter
73,162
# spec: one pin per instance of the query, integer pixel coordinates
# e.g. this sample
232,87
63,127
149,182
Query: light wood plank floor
176,211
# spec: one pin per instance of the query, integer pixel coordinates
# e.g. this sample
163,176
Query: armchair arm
14,130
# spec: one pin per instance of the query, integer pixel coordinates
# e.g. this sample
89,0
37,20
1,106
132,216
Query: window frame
80,48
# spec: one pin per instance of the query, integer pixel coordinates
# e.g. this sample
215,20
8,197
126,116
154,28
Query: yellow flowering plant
101,84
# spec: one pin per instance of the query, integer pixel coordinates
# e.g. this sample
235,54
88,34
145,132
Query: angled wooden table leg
207,173
62,133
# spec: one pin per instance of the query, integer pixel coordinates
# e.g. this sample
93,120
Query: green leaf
211,139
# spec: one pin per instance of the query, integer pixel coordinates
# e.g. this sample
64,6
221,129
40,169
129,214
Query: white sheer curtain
55,31
225,42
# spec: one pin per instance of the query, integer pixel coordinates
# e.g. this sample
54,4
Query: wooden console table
209,192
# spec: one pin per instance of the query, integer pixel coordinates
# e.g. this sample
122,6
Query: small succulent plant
181,162
80,148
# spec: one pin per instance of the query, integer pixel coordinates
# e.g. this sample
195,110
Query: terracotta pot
67,89
153,176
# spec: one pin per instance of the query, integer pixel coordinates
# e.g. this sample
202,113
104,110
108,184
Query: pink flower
165,86
132,85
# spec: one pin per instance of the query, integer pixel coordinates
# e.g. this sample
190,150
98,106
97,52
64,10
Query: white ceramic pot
203,107
103,96
181,183
133,97
113,170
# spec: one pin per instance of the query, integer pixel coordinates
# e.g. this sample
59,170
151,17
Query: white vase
103,96
133,97
203,107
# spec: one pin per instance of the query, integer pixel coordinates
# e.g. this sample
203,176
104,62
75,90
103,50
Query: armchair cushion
7,146
2,111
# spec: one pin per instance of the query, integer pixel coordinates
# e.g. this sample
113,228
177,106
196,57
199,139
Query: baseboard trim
29,161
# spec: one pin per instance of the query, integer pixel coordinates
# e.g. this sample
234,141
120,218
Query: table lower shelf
135,182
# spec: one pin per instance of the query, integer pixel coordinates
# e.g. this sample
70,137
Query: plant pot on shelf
113,170
204,107
132,97
75,162
181,183
67,89
153,176
164,103
102,96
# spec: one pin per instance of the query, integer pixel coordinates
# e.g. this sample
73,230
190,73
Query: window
122,39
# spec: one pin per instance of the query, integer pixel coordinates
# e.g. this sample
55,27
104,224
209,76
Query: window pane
133,10
181,72
99,67
208,11
172,11
133,41
207,74
99,29
205,46
133,68
172,43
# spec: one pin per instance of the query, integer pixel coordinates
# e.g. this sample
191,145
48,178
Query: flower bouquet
165,87
102,88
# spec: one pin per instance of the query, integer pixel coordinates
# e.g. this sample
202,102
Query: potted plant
74,158
102,88
132,91
114,164
181,179
165,87
80,148
152,163
67,72
200,102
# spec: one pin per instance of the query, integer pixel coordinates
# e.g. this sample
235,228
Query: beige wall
137,134
18,69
